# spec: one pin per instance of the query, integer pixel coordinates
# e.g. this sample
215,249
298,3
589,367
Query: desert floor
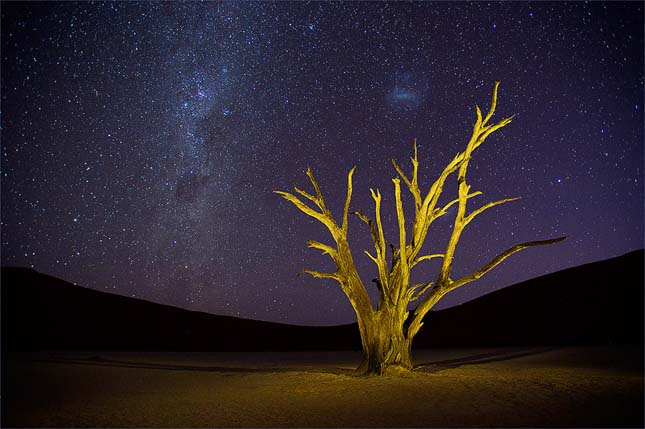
504,387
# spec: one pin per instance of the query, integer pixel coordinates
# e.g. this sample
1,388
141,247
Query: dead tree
387,331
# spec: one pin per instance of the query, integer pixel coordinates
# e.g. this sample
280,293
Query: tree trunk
385,347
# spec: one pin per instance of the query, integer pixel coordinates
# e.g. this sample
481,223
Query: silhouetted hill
43,312
597,303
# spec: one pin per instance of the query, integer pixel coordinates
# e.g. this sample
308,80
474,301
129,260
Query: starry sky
141,142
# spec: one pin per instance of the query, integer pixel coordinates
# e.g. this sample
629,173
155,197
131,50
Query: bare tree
387,332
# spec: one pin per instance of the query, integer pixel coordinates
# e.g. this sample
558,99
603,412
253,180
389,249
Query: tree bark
385,348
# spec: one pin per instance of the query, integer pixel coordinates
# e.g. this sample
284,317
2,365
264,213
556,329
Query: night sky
141,142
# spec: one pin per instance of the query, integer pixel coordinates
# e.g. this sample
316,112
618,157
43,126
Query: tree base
393,369
386,351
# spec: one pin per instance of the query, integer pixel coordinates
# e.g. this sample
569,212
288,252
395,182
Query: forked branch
346,274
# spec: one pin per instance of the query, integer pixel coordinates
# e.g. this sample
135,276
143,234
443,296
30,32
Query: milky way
141,142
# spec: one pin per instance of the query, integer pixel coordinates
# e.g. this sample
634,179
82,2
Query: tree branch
349,198
404,268
493,104
480,133
498,259
307,195
426,258
327,250
370,224
369,255
321,217
379,243
413,185
321,275
376,196
319,195
489,129
442,211
424,306
485,207
414,296
346,273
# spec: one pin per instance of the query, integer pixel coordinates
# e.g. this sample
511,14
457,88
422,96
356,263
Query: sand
507,387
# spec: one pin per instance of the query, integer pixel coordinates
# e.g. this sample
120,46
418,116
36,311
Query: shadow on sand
493,356
426,367
101,361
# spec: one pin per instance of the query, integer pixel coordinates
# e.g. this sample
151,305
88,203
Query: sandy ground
510,387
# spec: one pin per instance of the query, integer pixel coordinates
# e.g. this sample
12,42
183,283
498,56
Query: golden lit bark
387,331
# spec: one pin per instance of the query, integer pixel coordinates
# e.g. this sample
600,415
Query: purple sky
141,141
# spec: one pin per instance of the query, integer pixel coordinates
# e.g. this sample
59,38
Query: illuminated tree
387,331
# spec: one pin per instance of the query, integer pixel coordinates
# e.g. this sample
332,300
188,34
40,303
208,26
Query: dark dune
40,312
593,304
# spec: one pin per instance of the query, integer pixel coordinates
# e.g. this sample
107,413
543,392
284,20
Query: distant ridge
43,312
596,303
